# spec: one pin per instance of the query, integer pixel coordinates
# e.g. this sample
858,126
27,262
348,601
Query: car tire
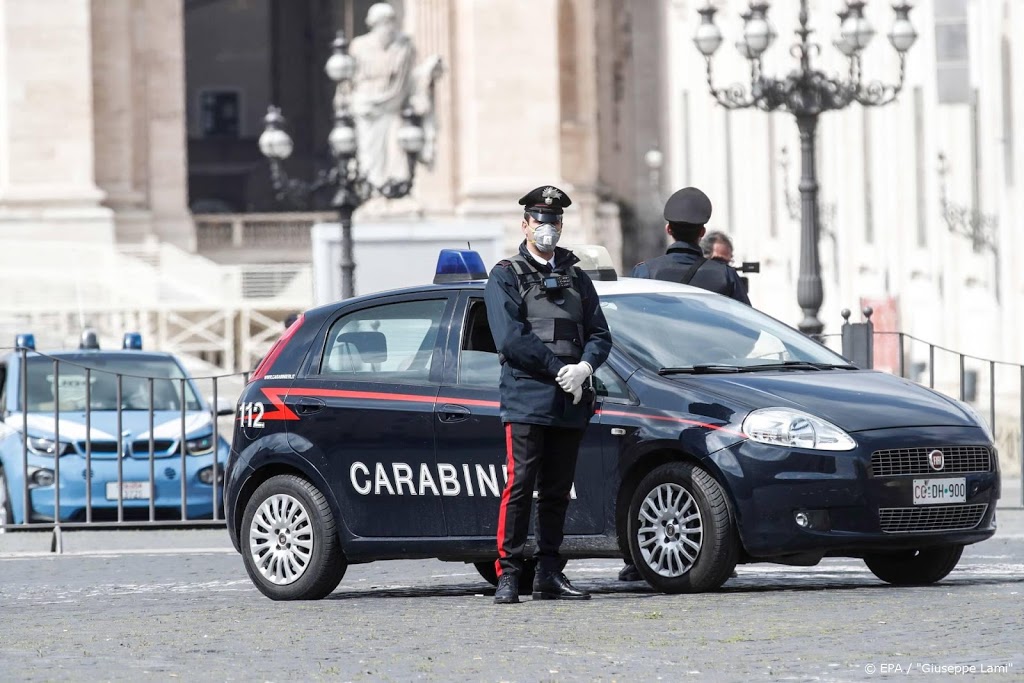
915,567
290,540
682,537
6,510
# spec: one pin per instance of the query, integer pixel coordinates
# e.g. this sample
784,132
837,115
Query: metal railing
118,468
993,388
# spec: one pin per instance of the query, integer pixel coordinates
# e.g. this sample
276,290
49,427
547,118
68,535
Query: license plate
130,490
933,491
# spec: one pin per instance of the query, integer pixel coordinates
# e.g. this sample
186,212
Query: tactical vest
557,317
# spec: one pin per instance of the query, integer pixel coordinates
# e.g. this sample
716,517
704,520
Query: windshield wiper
720,368
798,365
700,369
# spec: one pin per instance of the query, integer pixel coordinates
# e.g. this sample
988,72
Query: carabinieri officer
551,335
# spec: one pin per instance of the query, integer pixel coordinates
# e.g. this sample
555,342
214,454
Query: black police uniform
537,330
685,262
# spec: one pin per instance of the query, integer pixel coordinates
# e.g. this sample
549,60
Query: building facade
945,273
132,189
133,123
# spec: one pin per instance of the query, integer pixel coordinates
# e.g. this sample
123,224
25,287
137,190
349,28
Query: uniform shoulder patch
504,263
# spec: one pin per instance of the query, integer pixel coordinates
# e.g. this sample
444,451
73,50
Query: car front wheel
681,534
915,567
290,547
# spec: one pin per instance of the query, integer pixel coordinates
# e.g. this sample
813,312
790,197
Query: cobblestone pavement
165,605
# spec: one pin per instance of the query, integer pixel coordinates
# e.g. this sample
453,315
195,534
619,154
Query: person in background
686,213
717,245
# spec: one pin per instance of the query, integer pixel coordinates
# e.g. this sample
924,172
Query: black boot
554,586
508,590
629,573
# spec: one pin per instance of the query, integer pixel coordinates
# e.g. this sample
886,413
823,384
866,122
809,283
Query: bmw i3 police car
370,431
65,437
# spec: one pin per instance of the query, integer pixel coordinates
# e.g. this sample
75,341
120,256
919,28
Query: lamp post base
810,325
348,265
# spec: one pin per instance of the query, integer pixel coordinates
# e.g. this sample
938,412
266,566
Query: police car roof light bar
595,261
132,341
459,265
25,341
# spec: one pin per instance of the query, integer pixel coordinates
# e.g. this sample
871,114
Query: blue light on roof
25,341
459,265
132,340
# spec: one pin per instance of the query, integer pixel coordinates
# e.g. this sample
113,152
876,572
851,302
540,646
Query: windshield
679,330
103,383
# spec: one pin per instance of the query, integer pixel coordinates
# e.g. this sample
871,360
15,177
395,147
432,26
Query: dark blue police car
371,431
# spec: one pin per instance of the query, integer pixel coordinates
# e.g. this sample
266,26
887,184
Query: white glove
577,394
572,377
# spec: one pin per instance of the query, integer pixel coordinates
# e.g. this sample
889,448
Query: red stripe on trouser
505,495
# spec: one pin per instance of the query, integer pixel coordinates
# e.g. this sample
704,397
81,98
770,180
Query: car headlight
41,446
982,422
206,475
795,429
200,445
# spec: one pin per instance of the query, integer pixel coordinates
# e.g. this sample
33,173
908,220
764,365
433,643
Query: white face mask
545,237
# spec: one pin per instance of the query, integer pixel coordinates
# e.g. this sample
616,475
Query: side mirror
224,406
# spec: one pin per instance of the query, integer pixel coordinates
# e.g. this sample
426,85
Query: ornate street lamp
348,181
806,92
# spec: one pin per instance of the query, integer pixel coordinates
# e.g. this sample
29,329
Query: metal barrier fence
123,428
994,389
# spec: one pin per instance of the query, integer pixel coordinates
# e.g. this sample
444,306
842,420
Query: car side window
607,384
478,357
388,343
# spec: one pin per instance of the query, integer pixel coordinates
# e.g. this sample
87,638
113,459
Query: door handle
308,405
450,412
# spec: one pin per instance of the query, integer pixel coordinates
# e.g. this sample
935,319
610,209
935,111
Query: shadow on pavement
637,589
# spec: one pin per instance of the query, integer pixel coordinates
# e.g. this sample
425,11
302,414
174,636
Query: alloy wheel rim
671,531
281,539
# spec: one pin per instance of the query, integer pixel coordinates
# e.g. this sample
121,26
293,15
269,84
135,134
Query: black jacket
713,276
529,392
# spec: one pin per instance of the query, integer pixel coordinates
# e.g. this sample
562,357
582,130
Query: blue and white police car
371,431
109,435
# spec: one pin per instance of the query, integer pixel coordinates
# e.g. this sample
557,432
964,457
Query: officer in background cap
551,335
687,212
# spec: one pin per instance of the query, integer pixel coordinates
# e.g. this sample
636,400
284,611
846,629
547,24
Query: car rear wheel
915,567
681,534
6,511
290,547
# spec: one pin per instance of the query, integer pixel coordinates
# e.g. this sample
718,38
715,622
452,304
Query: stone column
47,180
430,23
119,117
507,85
160,49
